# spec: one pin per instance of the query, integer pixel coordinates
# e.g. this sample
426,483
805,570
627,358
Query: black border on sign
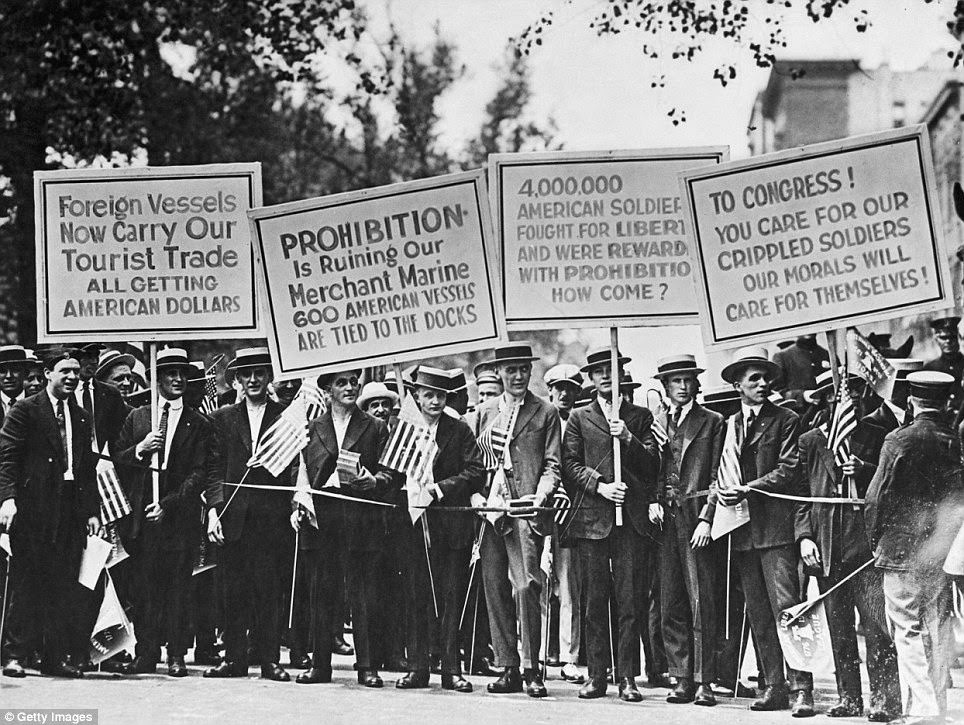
572,162
146,177
916,140
322,206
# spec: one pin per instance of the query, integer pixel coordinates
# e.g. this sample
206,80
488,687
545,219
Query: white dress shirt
69,471
255,416
8,402
746,415
341,427
684,411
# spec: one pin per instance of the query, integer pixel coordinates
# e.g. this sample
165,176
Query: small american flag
283,440
659,433
492,444
209,403
842,424
314,401
113,503
411,449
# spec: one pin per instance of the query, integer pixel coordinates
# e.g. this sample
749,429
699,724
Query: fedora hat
326,379
746,356
433,379
172,357
250,357
374,391
563,373
513,352
674,364
602,356
110,359
13,355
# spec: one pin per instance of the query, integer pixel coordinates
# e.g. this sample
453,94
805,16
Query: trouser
771,584
566,587
322,570
918,607
162,587
450,572
253,566
363,568
614,567
650,618
388,638
865,592
688,603
513,591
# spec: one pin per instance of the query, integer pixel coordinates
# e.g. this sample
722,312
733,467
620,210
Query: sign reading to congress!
823,237
383,275
146,253
590,239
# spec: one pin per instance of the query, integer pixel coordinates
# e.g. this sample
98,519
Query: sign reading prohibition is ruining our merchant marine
146,253
818,238
382,275
596,238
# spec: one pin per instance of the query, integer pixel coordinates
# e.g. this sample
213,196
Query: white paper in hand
96,554
5,544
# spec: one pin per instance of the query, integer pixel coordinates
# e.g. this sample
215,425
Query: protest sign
817,238
146,253
594,239
383,275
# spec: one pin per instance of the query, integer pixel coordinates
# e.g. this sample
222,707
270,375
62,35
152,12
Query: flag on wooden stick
842,424
113,503
411,449
283,440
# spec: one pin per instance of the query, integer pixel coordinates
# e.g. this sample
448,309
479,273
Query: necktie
677,412
750,420
62,425
88,403
162,429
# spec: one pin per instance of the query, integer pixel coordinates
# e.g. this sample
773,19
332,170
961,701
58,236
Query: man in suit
688,468
115,368
456,475
612,558
33,378
512,546
103,403
833,544
355,531
251,524
49,505
913,512
764,548
161,535
13,368
799,365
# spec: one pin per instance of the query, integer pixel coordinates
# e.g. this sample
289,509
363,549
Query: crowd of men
558,532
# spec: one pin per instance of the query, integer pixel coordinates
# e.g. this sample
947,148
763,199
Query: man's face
602,378
681,388
286,390
381,408
489,390
171,382
34,381
120,377
563,395
62,380
11,380
754,384
88,364
431,402
947,340
344,389
515,377
254,382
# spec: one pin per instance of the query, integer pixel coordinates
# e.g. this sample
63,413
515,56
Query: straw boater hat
904,367
374,391
32,359
930,385
675,364
627,384
824,383
564,373
109,359
174,357
13,355
197,372
720,396
602,356
433,379
513,352
457,378
251,357
745,357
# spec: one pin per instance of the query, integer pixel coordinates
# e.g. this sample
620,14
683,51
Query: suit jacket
361,526
800,367
835,529
3,414
180,484
588,459
915,503
32,473
769,461
535,449
868,439
228,454
702,431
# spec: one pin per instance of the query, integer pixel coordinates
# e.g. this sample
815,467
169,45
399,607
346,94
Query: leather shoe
704,696
685,691
773,698
113,665
415,680
299,659
13,668
878,713
535,687
596,687
340,647
456,682
274,672
369,678
176,667
227,669
208,658
509,681
140,665
659,679
847,707
313,676
628,691
803,704
484,667
63,669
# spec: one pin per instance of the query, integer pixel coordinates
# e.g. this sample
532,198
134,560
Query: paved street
158,699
